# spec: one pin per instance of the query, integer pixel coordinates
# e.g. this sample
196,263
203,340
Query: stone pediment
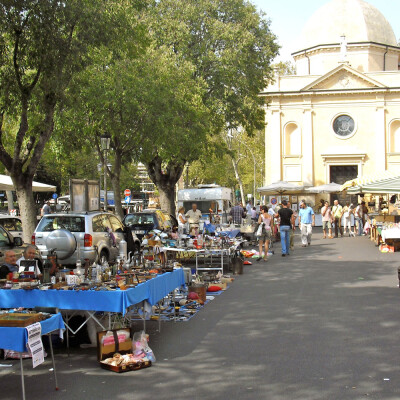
343,78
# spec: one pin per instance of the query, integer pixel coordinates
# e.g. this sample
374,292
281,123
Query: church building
339,116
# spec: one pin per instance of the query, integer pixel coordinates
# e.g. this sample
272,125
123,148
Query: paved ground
320,324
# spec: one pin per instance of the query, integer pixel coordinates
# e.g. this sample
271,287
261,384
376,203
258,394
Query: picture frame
294,199
284,197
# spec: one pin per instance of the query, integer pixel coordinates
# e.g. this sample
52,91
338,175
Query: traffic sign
127,192
55,195
127,199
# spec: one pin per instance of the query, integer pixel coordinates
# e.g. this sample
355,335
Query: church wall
366,148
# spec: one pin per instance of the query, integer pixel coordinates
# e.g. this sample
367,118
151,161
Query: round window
344,126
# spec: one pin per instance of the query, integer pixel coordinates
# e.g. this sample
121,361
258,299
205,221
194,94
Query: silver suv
82,235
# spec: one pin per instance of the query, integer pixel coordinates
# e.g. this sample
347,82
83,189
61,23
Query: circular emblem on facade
344,126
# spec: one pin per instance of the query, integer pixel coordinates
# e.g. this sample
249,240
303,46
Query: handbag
260,229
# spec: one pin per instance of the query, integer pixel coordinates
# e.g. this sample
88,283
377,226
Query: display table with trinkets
128,288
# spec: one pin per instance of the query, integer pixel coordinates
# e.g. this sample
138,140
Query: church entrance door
340,174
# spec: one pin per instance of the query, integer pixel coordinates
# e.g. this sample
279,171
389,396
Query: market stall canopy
280,187
7,184
358,184
327,188
384,186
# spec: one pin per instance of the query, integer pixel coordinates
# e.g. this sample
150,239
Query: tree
136,100
231,48
285,68
43,43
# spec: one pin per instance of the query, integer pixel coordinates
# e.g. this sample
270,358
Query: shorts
266,235
326,224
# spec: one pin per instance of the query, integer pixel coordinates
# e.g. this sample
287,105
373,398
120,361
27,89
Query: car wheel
103,257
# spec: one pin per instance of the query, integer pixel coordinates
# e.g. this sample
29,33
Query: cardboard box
107,351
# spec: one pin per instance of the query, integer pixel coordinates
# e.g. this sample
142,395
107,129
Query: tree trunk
167,199
236,169
165,178
27,206
10,200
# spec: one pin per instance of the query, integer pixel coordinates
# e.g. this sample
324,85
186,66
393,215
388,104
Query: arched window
394,139
292,140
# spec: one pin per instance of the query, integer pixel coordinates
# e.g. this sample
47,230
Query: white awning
7,184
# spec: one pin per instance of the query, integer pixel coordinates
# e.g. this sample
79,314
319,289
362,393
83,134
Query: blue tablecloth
152,290
16,338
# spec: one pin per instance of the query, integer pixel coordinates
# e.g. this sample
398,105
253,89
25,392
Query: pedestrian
254,214
306,222
182,221
286,224
291,239
193,218
46,208
358,214
337,213
248,208
237,214
326,220
347,212
266,222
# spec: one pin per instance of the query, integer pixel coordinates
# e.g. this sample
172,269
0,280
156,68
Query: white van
216,197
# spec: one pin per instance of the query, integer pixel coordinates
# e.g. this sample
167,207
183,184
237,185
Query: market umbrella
7,184
327,188
383,186
280,187
366,180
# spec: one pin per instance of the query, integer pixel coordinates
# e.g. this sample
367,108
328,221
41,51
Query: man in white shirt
193,218
29,254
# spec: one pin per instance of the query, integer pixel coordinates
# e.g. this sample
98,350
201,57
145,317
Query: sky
289,16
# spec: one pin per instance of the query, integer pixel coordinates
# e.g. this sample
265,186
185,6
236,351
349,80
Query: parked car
89,236
142,222
11,224
9,242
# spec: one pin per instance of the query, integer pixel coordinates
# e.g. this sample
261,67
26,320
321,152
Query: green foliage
285,68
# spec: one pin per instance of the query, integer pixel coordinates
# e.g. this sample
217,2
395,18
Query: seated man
29,255
9,265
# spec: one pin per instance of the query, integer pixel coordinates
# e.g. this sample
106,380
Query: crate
20,319
106,351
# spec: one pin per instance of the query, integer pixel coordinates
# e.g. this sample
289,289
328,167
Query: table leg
22,376
52,359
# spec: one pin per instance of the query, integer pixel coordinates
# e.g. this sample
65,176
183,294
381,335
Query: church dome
356,19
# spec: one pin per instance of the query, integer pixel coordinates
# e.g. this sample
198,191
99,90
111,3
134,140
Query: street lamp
105,146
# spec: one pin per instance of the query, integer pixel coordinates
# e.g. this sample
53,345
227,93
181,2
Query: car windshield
70,223
139,219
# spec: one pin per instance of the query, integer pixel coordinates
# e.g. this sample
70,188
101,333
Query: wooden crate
20,319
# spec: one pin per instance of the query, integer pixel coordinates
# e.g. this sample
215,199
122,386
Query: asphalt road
319,324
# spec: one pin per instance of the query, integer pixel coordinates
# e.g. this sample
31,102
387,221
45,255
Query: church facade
339,116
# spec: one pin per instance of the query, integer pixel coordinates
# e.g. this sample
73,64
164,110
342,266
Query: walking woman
265,235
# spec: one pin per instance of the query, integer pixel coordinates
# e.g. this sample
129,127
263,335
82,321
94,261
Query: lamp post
105,146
